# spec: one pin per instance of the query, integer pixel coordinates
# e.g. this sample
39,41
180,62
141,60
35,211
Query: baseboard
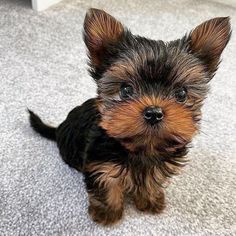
40,5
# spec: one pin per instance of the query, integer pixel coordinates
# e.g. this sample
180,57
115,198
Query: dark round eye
181,95
126,91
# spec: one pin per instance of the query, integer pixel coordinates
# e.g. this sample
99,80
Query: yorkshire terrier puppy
135,134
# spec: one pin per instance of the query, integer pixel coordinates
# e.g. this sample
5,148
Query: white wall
40,5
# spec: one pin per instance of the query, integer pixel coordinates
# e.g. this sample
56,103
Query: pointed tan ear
209,39
100,29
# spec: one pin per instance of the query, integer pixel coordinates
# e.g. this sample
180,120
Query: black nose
153,114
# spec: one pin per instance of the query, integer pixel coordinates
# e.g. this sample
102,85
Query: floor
43,67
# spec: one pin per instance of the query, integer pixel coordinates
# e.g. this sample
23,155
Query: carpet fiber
43,67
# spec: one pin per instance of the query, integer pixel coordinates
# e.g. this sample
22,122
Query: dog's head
152,91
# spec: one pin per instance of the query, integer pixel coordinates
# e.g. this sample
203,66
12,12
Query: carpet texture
43,67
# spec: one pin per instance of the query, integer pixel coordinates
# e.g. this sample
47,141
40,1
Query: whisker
202,132
207,121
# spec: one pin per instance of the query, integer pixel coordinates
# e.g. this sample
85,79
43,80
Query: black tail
45,130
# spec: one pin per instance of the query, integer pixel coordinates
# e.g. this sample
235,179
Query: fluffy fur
108,138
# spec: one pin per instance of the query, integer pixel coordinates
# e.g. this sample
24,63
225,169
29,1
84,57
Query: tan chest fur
128,181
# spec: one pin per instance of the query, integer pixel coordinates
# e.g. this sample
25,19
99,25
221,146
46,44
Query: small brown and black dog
135,134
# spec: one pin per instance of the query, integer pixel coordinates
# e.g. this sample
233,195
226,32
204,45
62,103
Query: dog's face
151,92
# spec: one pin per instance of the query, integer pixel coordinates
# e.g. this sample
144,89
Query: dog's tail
43,129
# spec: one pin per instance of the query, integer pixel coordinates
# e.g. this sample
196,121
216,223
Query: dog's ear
208,40
100,30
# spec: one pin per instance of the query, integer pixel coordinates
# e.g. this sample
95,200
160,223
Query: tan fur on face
122,70
126,120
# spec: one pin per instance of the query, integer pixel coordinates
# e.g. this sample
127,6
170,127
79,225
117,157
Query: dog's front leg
105,193
152,201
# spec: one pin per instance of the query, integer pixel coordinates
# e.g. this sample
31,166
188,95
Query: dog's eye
181,95
126,91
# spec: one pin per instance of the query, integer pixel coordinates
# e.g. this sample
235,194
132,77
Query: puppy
131,138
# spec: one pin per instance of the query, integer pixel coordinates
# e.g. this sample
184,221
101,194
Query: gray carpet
43,67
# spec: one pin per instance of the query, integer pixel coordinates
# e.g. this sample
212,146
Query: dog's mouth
158,141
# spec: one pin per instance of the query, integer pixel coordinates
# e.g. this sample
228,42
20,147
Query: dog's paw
105,216
155,207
